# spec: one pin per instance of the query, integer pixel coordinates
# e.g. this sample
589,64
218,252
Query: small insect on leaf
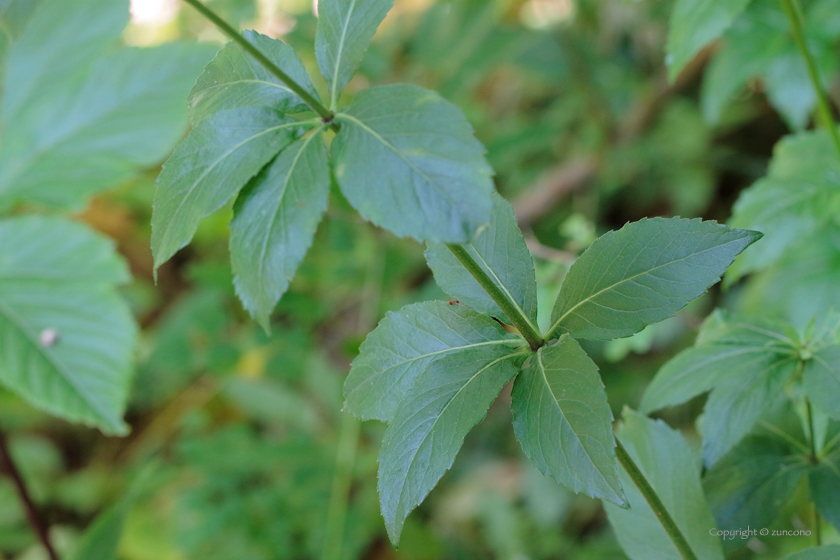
453,301
49,337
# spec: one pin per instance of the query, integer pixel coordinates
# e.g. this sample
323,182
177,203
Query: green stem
654,502
519,321
812,443
792,9
339,497
226,28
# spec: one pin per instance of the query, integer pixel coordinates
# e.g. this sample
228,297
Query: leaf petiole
654,502
326,115
528,331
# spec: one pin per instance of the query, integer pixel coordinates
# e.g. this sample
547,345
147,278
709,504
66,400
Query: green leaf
785,212
14,15
407,160
752,483
825,552
501,252
88,120
101,540
821,380
404,344
564,423
669,465
694,24
728,346
824,479
749,49
67,335
744,362
345,30
739,400
450,397
61,38
643,273
235,79
789,88
798,196
209,167
275,219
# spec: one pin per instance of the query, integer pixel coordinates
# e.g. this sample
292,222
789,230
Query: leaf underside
404,344
500,250
564,423
643,273
407,160
209,167
235,79
66,336
275,219
450,397
668,464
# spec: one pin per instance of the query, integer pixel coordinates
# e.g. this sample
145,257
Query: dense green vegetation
436,274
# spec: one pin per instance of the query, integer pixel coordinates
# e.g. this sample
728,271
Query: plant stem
519,320
812,443
792,9
308,98
8,466
654,502
343,477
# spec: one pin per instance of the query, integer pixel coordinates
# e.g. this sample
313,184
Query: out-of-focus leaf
500,251
404,344
75,120
564,423
345,29
744,362
271,401
67,335
209,167
821,380
61,39
275,219
101,539
795,199
694,24
824,479
726,346
751,484
643,273
235,79
407,160
668,464
749,48
450,397
14,15
825,552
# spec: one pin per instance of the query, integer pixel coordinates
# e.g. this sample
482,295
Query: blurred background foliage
252,456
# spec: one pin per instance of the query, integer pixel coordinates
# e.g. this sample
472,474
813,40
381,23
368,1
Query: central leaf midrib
247,81
378,374
212,166
444,409
339,53
280,198
648,271
566,420
440,190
